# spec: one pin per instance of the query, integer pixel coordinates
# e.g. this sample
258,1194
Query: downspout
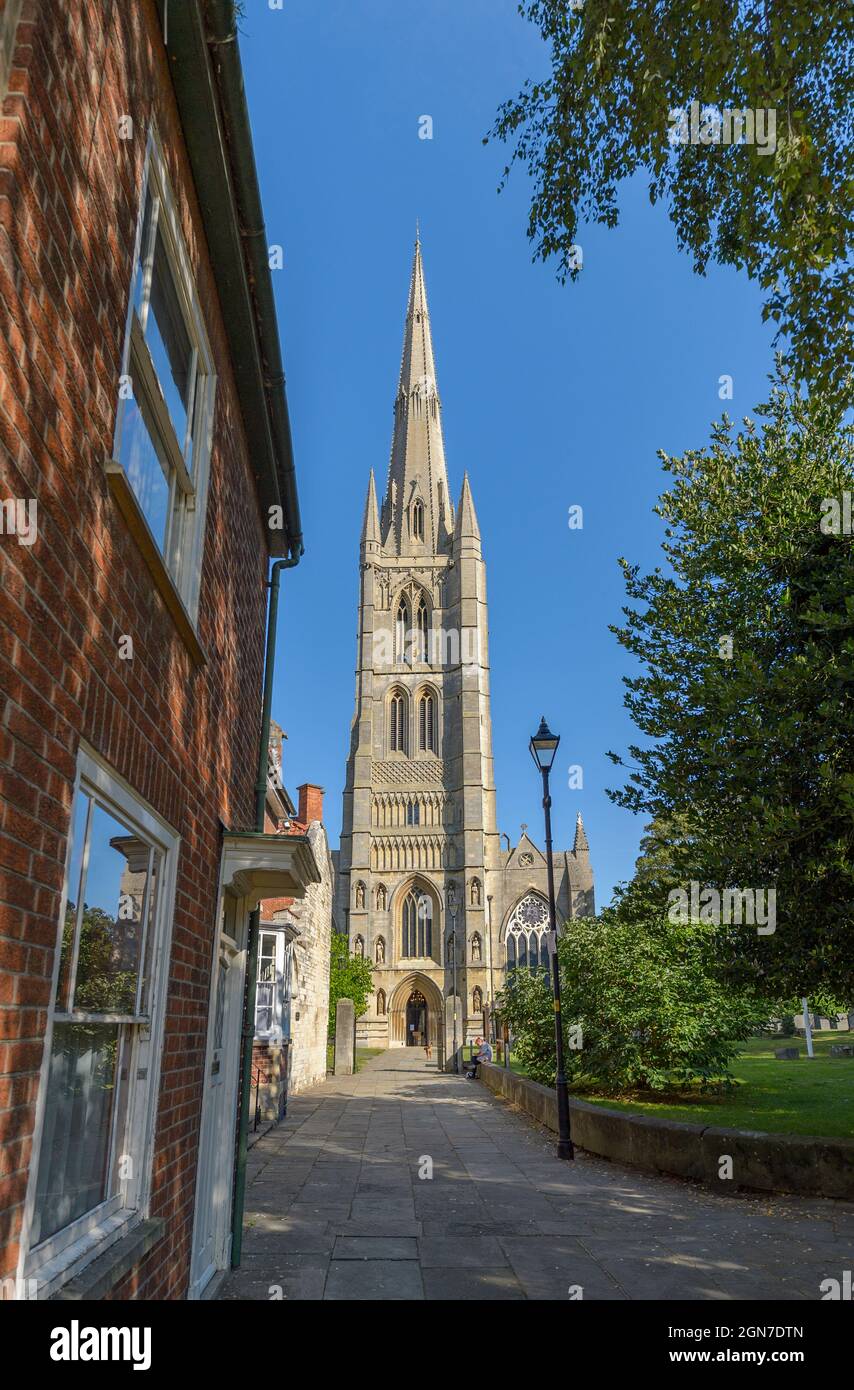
248,1035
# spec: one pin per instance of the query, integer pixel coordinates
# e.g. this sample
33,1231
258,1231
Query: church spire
466,529
371,520
581,845
416,510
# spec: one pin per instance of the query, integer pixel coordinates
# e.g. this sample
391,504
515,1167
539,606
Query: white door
212,1229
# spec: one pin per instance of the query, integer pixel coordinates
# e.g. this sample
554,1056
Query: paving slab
380,1280
337,1209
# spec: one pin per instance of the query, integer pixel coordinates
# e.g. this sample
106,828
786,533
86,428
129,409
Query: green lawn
363,1054
803,1097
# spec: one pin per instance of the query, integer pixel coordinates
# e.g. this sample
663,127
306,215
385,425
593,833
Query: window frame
9,20
421,930
398,721
428,721
183,542
56,1258
517,934
275,983
422,629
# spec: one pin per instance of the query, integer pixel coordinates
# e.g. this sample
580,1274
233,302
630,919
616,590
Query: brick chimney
310,803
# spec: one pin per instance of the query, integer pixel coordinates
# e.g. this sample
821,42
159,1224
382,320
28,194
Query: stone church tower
424,888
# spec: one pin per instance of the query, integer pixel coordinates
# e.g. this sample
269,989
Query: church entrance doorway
416,1020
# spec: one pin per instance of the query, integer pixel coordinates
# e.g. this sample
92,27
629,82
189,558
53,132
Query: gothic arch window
418,520
398,719
360,894
477,1000
401,630
476,949
427,722
526,936
474,892
381,1003
382,898
422,632
413,813
416,921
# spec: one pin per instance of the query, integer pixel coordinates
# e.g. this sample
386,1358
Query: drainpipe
248,1036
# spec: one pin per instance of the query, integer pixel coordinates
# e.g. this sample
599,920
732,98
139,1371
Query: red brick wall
184,739
310,803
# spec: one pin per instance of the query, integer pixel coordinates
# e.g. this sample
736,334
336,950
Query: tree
349,978
621,69
746,695
643,1008
100,986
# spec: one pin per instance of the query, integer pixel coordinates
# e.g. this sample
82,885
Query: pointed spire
417,473
371,519
466,527
581,845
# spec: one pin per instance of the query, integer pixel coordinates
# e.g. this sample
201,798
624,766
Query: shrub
643,1001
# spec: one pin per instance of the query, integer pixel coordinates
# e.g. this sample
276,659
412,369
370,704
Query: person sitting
484,1054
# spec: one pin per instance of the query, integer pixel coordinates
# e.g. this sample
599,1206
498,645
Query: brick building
147,478
292,998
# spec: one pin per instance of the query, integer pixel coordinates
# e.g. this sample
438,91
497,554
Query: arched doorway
417,1024
416,999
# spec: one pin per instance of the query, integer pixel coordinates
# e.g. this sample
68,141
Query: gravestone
842,1049
787,1054
345,1038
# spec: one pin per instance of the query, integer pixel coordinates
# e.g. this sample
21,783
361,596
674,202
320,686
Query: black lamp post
543,749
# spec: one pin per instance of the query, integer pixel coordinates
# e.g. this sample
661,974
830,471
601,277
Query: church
424,886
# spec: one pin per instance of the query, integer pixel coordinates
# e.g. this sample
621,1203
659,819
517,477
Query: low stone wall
813,1167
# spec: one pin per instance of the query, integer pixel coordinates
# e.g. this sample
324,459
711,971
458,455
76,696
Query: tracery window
397,722
527,932
427,722
418,521
417,924
401,627
413,813
422,632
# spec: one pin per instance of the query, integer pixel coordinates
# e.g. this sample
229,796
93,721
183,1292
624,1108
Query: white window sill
54,1273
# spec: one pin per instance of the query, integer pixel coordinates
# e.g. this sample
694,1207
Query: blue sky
553,396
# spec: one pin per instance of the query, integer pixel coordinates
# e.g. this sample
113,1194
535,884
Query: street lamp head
543,746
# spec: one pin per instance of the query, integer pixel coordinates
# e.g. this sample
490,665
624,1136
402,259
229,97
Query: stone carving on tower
421,874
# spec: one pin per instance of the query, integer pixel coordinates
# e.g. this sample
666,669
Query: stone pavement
336,1209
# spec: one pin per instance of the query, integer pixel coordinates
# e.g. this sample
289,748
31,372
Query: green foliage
749,764
100,987
652,1011
619,67
349,978
822,1003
